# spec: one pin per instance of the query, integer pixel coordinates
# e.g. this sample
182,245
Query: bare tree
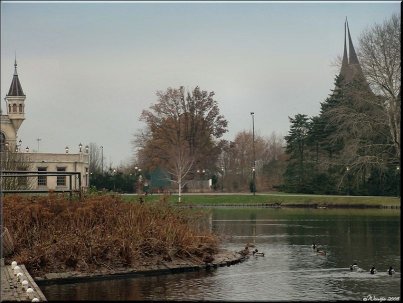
180,165
14,161
95,158
237,160
379,54
181,131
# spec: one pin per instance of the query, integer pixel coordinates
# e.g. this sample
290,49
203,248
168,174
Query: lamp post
38,139
254,159
348,180
398,180
102,160
222,179
137,179
80,146
87,149
18,146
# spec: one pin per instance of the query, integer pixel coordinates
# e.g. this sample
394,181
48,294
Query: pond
290,270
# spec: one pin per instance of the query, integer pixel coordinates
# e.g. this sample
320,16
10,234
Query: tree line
351,147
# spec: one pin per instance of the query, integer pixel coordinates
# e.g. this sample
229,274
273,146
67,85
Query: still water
290,270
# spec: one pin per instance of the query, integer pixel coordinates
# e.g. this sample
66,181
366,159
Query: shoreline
272,200
290,205
221,259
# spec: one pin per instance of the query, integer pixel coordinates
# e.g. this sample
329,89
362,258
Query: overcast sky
89,69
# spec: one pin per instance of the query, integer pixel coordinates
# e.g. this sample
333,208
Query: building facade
49,163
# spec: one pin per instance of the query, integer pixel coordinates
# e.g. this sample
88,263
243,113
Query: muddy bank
177,265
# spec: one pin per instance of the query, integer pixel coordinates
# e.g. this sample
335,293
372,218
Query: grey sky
89,69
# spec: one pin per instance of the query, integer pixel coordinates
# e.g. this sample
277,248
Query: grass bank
278,199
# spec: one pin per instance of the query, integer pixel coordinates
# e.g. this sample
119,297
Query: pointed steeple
15,101
344,63
350,67
352,58
345,58
15,87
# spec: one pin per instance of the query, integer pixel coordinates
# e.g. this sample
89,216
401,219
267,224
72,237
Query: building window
20,106
9,108
42,180
14,108
61,180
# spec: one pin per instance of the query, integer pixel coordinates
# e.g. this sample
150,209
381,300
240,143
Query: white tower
15,111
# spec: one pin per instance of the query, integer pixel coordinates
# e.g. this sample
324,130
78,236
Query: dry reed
53,234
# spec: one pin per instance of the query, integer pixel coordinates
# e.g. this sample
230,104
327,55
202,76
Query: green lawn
278,198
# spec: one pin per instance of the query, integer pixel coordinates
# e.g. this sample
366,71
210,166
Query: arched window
9,108
20,108
14,108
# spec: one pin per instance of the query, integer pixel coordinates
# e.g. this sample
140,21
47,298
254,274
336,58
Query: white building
35,161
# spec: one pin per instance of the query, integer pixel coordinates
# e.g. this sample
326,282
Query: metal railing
70,190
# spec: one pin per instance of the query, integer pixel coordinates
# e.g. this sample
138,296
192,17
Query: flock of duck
372,271
354,267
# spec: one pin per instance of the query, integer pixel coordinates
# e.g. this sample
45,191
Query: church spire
344,63
350,67
352,58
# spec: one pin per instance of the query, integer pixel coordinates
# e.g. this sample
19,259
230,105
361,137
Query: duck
245,251
321,252
208,259
373,270
391,271
257,253
313,245
354,267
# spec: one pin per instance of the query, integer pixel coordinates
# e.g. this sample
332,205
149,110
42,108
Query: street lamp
348,180
397,179
80,146
18,146
87,149
254,158
102,160
222,179
139,180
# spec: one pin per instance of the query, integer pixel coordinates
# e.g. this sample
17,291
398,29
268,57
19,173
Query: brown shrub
53,234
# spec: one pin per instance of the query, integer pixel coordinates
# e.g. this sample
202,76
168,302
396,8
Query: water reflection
290,270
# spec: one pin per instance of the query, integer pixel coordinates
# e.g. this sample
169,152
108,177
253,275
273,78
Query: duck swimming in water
373,270
391,271
354,267
320,252
245,251
257,253
313,245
